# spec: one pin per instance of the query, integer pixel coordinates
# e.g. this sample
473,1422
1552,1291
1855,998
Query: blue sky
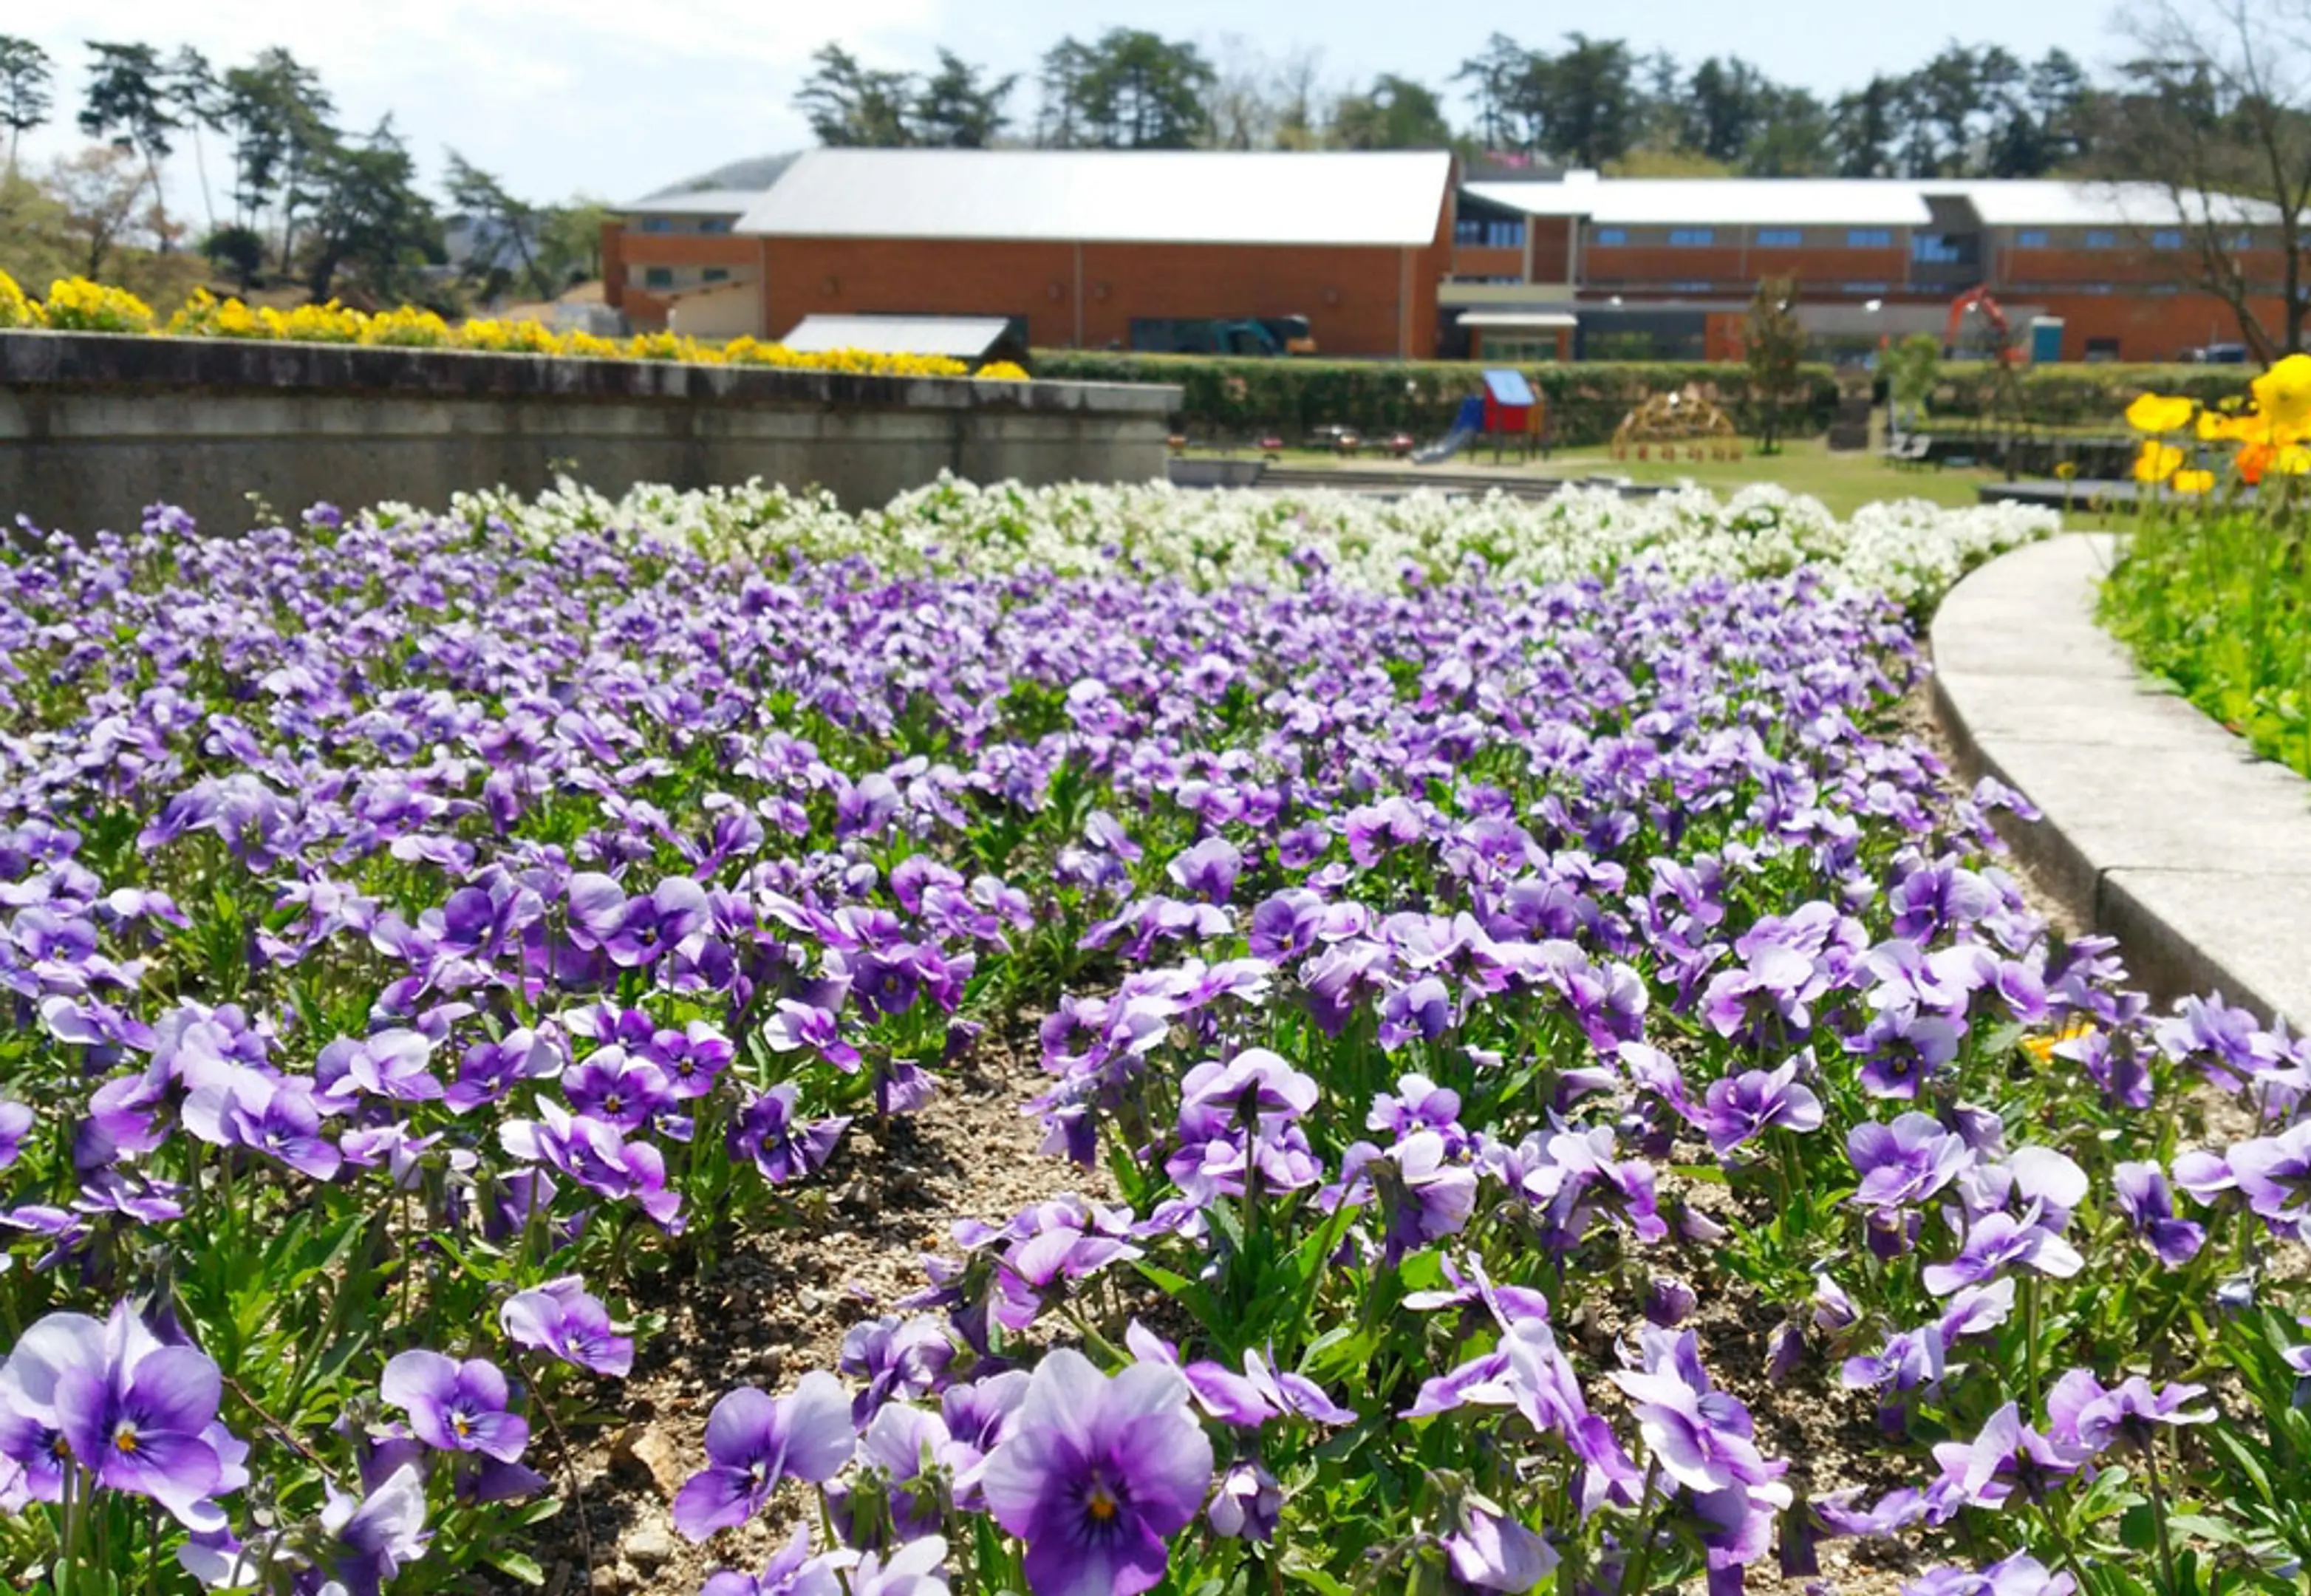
617,96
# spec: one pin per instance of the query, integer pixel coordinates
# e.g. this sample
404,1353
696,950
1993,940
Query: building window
715,274
658,225
1692,237
2102,349
657,278
715,224
2030,237
2167,238
1866,288
2100,237
1932,248
1611,238
2244,240
1693,285
1488,232
1869,238
1519,351
1780,238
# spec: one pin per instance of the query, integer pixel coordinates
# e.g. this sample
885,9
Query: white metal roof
1517,319
2044,202
963,337
1733,202
1851,201
1170,196
703,202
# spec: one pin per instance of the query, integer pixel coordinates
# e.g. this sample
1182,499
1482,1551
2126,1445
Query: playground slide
1445,448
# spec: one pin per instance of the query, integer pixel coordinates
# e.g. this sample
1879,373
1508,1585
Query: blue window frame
1692,237
1610,237
715,224
1932,248
2030,237
1488,232
1780,238
658,225
1869,238
658,276
2167,238
2100,237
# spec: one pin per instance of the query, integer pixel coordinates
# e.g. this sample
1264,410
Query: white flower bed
1909,549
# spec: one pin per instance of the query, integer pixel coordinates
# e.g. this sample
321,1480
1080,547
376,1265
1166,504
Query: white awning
1539,319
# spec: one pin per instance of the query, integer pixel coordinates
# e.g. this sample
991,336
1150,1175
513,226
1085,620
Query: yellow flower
15,308
2291,460
2042,1048
2283,394
2066,469
2192,482
1002,371
2157,462
2214,427
2152,412
77,305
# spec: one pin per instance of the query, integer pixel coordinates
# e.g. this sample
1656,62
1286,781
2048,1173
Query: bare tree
2217,112
1303,108
1238,102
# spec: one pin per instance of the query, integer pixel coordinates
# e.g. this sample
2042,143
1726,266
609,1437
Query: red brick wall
2147,327
1354,298
614,264
1552,247
1657,266
627,254
1470,261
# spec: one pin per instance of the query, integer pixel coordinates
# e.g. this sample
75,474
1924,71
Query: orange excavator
1981,302
1978,329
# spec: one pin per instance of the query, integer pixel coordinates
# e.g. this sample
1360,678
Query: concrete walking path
2159,827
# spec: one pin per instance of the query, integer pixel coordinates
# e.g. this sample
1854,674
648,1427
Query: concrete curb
2159,827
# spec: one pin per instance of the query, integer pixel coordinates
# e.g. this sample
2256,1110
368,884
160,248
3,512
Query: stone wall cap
30,359
2159,827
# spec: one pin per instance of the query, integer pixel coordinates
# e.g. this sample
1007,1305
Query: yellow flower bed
2273,434
75,304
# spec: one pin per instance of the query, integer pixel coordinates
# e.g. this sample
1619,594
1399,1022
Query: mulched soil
777,1307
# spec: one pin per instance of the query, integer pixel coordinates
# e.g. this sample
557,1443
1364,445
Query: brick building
1077,245
1666,266
1390,255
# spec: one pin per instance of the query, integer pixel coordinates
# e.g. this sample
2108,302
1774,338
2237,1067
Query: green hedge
2075,396
1236,398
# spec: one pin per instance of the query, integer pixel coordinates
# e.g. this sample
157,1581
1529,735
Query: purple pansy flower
563,1318
139,1415
753,1442
1096,1473
456,1406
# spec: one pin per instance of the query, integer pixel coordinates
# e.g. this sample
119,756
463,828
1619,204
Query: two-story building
1391,255
1666,266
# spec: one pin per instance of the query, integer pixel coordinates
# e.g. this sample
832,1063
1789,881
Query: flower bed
2211,591
75,304
1570,1100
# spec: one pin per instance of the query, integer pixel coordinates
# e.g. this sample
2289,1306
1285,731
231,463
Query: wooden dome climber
1688,417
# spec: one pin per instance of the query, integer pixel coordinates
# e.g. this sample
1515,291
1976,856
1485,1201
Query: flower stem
1651,1512
2158,1515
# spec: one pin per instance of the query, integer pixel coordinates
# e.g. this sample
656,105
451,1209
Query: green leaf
519,1565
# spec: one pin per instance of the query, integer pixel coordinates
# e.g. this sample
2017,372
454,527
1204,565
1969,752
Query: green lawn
1843,482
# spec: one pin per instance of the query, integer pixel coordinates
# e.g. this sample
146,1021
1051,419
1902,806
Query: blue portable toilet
2045,340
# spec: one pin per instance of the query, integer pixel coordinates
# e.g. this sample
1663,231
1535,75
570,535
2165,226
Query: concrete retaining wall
93,427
